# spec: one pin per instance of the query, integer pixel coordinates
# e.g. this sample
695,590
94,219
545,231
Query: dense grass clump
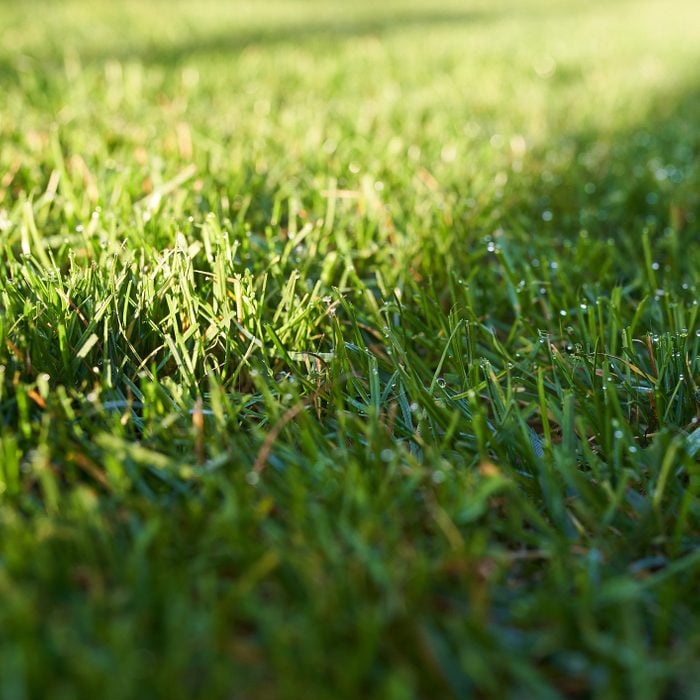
349,350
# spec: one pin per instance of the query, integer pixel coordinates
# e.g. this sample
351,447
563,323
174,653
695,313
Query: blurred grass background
288,288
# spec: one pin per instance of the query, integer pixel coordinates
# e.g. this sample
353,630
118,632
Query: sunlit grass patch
349,350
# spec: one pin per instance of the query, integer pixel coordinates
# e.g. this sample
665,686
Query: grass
349,350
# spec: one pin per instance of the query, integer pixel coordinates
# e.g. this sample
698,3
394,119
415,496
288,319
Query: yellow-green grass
349,349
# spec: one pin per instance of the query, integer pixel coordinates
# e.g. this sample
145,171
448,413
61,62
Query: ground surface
349,350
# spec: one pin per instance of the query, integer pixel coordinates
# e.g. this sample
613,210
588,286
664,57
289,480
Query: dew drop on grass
253,478
655,266
632,449
441,382
562,312
618,434
438,476
386,454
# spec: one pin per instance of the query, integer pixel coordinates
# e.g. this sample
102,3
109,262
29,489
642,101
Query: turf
349,349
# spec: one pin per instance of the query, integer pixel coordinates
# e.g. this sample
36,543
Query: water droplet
441,382
655,266
253,478
438,476
618,434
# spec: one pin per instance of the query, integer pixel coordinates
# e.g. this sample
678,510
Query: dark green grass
349,351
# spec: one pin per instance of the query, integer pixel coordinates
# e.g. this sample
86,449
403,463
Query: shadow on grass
327,31
230,38
233,39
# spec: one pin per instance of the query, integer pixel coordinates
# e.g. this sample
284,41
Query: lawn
349,350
